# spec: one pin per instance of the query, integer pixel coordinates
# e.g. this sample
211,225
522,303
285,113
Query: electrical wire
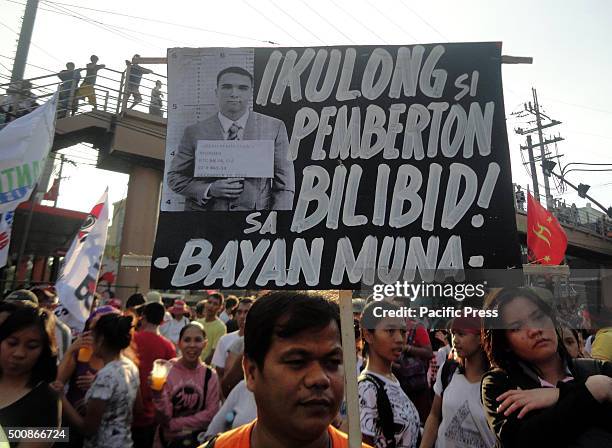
265,17
605,137
390,19
31,42
589,163
554,100
27,63
277,6
355,19
130,30
335,27
207,30
5,67
110,28
403,3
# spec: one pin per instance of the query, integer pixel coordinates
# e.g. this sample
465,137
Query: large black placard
398,155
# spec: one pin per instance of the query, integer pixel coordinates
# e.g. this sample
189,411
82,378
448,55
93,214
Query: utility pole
532,168
542,147
534,109
23,46
59,177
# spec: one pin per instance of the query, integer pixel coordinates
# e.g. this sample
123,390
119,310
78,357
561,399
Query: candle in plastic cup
85,354
157,383
161,367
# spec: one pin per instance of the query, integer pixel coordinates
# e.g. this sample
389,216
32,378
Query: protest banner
77,281
390,163
24,146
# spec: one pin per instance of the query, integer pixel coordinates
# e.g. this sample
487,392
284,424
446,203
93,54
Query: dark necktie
233,132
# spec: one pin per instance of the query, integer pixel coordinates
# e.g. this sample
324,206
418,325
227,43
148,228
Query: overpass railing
569,215
111,92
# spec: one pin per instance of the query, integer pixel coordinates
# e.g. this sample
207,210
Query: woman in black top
27,366
537,395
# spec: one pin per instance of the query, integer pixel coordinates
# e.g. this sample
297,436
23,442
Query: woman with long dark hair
78,373
388,417
571,340
27,366
109,401
537,395
456,417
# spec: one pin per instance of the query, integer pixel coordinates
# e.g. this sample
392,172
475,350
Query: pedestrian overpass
128,139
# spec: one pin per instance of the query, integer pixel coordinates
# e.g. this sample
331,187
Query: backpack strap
446,376
207,376
383,406
448,370
210,443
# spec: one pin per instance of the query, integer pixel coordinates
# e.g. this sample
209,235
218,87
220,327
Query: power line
382,13
9,70
348,13
604,111
110,28
78,155
589,163
129,30
31,42
31,65
207,30
296,21
56,11
265,17
590,134
423,20
328,22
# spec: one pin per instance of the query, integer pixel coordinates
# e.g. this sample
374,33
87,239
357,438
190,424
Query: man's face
211,307
300,387
241,314
234,92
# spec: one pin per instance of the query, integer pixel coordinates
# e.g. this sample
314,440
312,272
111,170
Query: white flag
24,147
76,284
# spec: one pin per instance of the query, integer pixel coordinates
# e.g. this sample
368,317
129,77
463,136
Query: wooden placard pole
350,367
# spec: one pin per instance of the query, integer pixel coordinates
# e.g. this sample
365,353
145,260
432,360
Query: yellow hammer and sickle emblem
540,233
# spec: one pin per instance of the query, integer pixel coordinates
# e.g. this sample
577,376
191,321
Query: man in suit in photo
234,121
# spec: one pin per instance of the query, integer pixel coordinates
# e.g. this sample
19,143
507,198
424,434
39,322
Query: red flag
53,192
546,239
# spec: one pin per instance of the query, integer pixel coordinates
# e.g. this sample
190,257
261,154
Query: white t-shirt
220,355
463,420
172,329
117,384
241,402
442,355
224,317
405,415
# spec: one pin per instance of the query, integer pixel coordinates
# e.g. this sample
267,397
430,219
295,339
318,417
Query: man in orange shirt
293,365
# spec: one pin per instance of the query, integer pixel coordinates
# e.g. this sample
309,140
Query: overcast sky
569,41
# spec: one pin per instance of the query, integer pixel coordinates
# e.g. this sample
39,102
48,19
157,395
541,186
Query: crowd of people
268,372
